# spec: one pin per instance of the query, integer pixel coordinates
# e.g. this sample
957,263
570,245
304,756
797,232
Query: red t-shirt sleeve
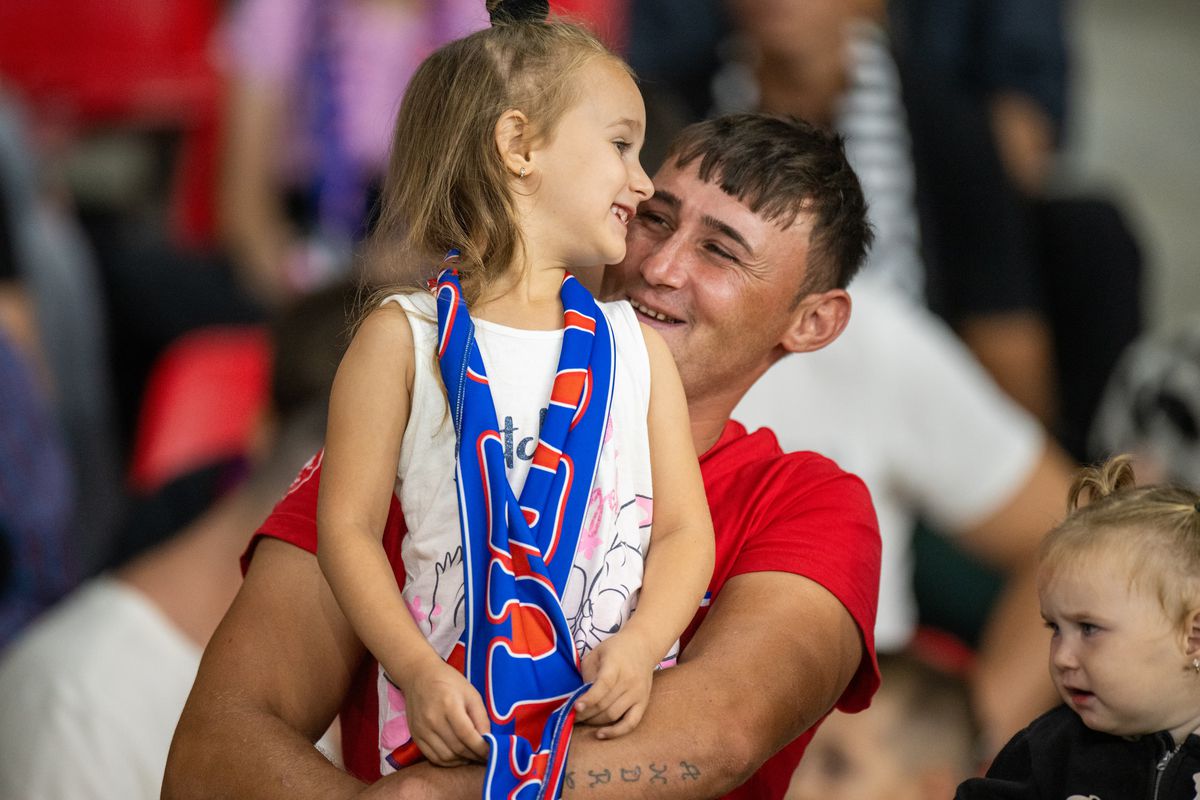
294,518
818,521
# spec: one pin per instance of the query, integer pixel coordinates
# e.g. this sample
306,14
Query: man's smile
653,314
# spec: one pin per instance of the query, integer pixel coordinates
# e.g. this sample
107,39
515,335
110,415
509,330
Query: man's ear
513,135
818,320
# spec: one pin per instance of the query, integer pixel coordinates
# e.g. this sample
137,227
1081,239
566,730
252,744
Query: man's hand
620,670
445,714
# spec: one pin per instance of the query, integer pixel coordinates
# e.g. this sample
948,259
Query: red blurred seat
99,61
145,64
943,650
202,402
608,18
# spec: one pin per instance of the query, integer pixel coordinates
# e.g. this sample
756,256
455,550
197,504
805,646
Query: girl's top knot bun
1114,476
510,11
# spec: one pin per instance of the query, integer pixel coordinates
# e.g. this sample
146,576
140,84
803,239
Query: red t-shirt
771,511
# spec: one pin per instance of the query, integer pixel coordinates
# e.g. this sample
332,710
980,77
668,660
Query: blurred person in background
36,496
107,672
918,740
313,89
1044,294
1151,408
1010,54
51,312
37,484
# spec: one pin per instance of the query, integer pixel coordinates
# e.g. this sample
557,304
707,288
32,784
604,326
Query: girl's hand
620,670
446,715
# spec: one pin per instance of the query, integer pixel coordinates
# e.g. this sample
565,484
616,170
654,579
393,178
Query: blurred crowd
182,187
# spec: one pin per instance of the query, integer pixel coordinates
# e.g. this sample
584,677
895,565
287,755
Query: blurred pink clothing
374,46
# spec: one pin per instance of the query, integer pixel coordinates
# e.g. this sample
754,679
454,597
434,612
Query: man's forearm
215,758
771,659
664,757
679,749
270,682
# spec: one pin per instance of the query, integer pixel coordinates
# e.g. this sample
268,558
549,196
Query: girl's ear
1193,634
512,135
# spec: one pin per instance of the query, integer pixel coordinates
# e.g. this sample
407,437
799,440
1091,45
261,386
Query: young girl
523,415
1119,583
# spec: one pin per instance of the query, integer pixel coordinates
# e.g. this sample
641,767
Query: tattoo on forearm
570,780
658,774
599,777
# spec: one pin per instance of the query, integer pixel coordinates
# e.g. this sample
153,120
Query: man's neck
707,426
710,408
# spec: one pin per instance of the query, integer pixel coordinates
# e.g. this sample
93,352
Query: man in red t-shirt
741,257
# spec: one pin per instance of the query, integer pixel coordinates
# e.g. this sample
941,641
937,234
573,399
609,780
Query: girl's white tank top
607,568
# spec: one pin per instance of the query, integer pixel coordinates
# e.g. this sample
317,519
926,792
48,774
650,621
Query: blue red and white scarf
517,648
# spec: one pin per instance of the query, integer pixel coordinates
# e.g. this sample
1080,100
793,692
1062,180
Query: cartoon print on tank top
602,604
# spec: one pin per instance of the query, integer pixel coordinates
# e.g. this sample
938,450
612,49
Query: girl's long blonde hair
446,186
1153,530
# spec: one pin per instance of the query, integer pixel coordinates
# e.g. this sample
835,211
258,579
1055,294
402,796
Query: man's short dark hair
780,167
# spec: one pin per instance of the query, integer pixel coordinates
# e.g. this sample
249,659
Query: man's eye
1052,628
1088,628
720,252
650,218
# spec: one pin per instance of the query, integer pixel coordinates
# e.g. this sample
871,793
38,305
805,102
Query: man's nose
663,265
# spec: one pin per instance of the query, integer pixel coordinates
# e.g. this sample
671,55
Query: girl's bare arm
680,561
368,412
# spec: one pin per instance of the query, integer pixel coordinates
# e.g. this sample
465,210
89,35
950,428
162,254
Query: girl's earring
522,175
1196,665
